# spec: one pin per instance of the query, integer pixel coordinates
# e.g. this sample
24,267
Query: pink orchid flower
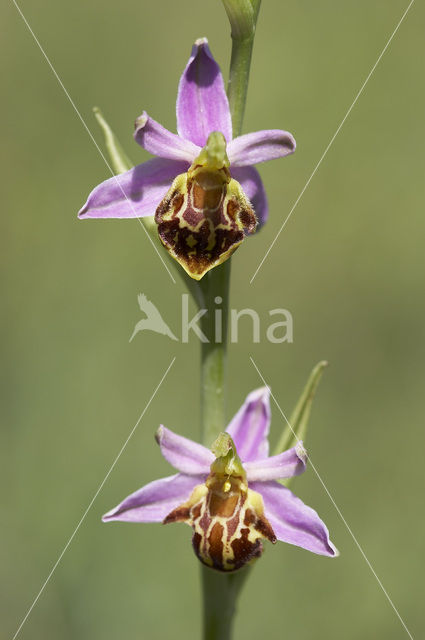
202,186
230,498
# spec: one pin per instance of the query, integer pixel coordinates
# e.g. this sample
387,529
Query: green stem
215,293
243,33
221,590
221,593
238,80
215,284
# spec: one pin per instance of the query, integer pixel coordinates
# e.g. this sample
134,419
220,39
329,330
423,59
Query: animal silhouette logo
153,320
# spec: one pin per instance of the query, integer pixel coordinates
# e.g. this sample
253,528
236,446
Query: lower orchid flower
230,495
202,188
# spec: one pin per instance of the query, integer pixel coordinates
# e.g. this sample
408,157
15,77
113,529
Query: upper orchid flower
229,496
202,186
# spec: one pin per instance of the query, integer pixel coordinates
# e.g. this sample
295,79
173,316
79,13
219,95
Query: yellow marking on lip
191,241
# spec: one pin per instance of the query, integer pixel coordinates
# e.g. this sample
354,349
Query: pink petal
135,193
202,105
285,465
260,146
250,426
155,500
185,455
292,520
253,187
160,142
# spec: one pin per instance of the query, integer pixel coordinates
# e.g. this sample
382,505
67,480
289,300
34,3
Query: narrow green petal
119,160
301,413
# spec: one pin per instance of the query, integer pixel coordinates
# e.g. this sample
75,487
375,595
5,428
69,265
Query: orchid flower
230,495
202,187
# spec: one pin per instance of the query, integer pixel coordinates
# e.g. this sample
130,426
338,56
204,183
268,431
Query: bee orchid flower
230,495
202,187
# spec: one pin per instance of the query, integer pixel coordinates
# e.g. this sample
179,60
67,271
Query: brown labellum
204,218
228,523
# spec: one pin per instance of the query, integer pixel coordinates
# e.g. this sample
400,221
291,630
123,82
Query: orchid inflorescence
205,196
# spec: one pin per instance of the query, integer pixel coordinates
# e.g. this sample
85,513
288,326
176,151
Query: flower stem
215,285
221,590
243,16
215,295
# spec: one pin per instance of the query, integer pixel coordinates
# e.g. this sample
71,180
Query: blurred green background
349,266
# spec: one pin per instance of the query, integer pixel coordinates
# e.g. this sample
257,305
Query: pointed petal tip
83,213
159,434
301,452
329,550
202,104
135,193
140,122
155,500
282,466
109,515
262,393
260,146
187,456
293,521
201,41
156,139
332,551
